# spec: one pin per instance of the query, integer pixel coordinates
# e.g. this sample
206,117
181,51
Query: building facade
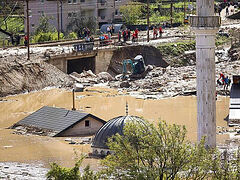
102,11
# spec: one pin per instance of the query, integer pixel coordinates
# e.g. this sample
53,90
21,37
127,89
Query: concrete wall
103,60
60,63
80,130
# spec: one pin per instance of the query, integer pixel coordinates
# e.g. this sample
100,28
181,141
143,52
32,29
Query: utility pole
28,37
58,23
184,11
206,25
171,13
148,39
61,16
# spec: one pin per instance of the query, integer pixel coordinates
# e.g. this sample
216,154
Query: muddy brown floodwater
104,103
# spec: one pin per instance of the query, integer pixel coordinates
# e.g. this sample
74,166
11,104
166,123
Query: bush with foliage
176,49
148,152
46,36
61,173
72,35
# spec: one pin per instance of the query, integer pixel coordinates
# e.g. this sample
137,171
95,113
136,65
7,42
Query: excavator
138,68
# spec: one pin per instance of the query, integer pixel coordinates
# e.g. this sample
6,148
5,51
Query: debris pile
161,82
27,130
19,76
23,171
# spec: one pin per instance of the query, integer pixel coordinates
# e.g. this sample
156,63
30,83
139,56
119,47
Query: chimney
73,94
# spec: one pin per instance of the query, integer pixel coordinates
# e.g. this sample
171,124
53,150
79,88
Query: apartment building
103,11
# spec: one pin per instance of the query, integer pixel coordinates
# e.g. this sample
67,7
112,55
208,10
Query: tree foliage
61,173
148,152
78,23
161,153
131,13
7,10
44,26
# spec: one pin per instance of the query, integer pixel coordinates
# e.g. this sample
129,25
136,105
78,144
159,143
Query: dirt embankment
150,54
21,76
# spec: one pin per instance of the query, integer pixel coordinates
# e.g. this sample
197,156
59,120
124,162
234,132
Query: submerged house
60,122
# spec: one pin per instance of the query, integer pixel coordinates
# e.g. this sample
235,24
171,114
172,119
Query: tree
131,12
146,152
11,16
78,23
44,26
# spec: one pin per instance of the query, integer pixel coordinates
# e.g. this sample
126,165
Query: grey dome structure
109,129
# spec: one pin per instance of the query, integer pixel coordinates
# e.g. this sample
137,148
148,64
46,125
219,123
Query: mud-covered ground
22,171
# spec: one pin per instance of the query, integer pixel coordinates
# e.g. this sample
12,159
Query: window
41,13
42,1
82,0
74,1
33,25
30,13
87,123
69,1
116,12
69,14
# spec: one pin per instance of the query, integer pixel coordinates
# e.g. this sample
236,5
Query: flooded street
104,103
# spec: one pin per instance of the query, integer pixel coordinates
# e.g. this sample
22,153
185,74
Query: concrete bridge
95,60
105,59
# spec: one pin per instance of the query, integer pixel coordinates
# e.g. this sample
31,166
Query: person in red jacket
160,31
25,40
136,33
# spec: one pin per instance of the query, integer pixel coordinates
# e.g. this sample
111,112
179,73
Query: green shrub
176,49
72,35
54,36
48,36
61,173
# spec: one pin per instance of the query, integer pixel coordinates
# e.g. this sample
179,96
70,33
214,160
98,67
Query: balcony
101,4
205,21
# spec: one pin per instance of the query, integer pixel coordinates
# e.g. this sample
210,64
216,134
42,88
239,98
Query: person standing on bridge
119,35
25,40
136,33
160,31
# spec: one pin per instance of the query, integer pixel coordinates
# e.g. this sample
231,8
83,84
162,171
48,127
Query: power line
10,13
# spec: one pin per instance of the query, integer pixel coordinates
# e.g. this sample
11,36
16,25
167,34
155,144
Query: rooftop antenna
126,108
73,94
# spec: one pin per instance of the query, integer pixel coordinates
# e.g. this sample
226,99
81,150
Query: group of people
156,31
126,35
226,4
223,81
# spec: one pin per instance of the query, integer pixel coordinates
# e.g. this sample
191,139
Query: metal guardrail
83,47
205,21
